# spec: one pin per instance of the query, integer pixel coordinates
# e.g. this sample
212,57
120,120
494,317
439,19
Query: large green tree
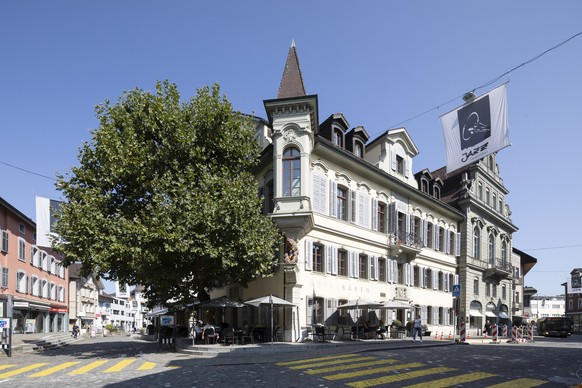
164,196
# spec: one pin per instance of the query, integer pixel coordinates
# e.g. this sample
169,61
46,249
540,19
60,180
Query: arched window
476,243
504,254
291,172
491,250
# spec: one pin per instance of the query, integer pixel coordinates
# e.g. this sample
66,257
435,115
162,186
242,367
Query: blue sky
381,63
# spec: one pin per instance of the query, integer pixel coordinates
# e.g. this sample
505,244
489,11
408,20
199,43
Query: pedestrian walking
417,328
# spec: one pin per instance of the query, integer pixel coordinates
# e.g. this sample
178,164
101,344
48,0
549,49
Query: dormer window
436,192
399,164
337,138
424,185
358,149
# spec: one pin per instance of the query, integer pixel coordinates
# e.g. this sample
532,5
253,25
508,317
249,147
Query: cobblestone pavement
127,362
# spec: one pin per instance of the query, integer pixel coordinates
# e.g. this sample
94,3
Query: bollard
462,333
530,333
494,334
436,335
504,331
514,334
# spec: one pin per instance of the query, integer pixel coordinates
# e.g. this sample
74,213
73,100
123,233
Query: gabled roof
292,80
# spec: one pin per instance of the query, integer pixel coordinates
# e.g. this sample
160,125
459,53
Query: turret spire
292,80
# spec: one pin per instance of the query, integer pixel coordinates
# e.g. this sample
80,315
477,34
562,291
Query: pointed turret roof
292,80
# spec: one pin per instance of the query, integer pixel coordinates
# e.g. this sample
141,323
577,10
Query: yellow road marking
88,367
334,362
351,366
365,372
2,367
519,383
21,370
399,377
309,360
147,366
54,369
121,365
455,380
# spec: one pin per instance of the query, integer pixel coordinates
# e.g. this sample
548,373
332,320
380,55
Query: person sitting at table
208,328
198,331
381,332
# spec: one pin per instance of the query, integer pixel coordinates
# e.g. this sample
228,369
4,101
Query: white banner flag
45,220
476,129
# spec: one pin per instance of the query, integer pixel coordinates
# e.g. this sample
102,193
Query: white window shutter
457,244
425,232
352,206
437,241
406,167
328,258
447,241
308,255
318,194
374,214
334,260
333,199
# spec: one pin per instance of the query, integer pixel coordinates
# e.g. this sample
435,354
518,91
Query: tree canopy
164,196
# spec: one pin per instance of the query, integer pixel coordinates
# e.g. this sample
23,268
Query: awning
475,313
490,314
502,315
156,313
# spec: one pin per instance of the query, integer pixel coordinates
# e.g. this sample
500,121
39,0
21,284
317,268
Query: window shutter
411,275
425,232
435,279
372,266
333,199
308,255
392,218
356,265
390,271
309,312
457,244
374,214
424,277
406,168
334,260
318,194
328,258
351,264
437,241
393,158
447,241
352,206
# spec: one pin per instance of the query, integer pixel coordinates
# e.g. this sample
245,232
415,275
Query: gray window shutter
352,205
437,241
457,244
392,218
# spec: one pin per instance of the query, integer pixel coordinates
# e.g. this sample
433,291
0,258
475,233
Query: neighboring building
33,284
139,308
485,264
522,264
83,298
573,301
115,311
547,306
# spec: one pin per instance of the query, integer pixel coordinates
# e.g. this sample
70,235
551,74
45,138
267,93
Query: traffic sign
456,290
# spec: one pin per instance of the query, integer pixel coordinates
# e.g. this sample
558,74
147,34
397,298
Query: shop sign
58,310
21,304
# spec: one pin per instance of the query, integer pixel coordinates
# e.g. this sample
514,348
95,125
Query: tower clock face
576,281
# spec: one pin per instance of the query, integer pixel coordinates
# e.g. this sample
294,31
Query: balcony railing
499,268
409,244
